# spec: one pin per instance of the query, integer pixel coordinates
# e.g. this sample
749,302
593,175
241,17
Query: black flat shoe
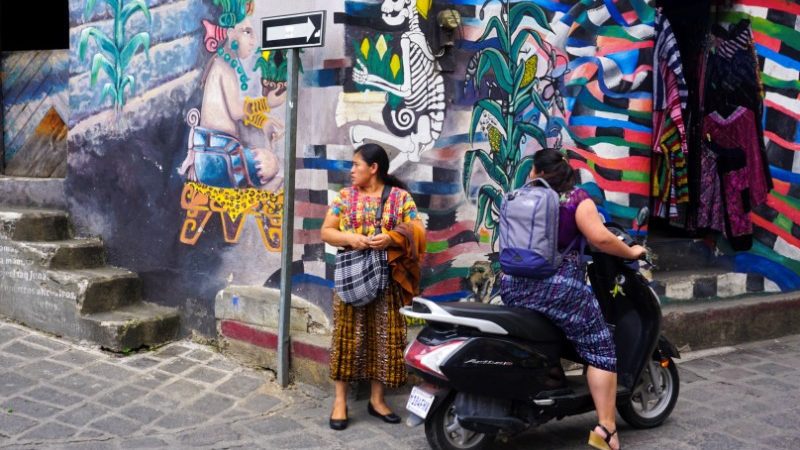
339,424
388,418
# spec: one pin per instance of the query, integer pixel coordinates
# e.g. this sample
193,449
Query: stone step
677,254
32,192
100,289
708,284
27,224
67,254
132,327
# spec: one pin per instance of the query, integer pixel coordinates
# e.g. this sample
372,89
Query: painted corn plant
376,56
500,115
114,53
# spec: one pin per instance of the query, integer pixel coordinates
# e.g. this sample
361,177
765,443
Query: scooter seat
518,322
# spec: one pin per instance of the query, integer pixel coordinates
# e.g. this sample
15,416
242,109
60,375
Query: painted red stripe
770,42
435,259
774,229
635,163
306,209
781,141
781,187
622,47
313,352
630,187
443,235
780,5
265,339
304,237
241,332
778,107
640,137
444,287
783,208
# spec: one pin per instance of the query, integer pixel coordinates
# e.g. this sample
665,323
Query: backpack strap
541,181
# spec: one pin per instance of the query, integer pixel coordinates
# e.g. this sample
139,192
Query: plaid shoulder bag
361,275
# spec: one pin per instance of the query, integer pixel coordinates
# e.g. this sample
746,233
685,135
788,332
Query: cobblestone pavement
58,395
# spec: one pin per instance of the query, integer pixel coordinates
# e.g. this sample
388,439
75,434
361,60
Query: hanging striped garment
666,50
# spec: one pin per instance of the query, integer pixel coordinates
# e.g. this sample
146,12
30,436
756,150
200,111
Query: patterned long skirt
569,302
368,341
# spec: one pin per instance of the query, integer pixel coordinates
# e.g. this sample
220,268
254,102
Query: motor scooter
490,370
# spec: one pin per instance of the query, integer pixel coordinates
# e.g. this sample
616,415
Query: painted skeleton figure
417,123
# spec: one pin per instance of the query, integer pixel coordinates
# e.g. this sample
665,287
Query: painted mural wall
176,150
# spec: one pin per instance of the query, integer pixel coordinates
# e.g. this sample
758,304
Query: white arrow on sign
305,29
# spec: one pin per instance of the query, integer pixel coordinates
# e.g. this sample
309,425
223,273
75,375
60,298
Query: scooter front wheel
653,397
445,433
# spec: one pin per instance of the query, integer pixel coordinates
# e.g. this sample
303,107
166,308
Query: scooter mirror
642,217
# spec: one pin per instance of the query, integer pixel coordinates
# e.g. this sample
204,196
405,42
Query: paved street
57,395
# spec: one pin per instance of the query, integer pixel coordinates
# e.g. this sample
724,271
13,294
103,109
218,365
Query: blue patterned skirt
569,302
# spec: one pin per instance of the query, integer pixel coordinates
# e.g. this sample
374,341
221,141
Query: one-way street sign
293,31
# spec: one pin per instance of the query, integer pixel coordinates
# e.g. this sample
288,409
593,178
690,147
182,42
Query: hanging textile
669,178
733,173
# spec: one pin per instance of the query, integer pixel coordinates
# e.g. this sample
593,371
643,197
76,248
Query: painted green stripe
783,222
330,259
630,175
777,83
437,247
312,224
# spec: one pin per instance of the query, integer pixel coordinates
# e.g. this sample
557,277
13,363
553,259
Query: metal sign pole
287,227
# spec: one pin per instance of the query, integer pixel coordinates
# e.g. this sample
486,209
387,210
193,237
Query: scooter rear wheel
653,397
445,433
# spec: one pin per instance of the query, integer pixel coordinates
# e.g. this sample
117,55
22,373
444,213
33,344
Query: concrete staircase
688,269
60,284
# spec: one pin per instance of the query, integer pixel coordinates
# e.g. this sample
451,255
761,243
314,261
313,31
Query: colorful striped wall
776,252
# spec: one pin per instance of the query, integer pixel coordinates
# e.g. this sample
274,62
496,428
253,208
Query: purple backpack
529,231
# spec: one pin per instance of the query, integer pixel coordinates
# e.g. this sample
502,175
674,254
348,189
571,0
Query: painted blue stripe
615,14
474,46
784,175
304,278
603,122
785,61
785,278
434,188
322,78
327,164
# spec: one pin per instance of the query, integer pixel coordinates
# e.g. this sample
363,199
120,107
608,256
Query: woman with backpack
376,212
566,299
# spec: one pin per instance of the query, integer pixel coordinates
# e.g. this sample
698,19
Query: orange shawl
405,257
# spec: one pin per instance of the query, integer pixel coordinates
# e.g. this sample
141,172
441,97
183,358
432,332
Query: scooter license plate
420,402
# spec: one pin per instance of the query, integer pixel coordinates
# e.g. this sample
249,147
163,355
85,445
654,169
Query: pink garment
731,175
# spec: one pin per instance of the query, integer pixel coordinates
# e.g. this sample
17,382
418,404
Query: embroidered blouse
357,212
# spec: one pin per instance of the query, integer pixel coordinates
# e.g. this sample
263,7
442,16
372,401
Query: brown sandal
600,442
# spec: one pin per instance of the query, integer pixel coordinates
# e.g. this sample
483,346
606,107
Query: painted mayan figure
216,156
417,122
223,175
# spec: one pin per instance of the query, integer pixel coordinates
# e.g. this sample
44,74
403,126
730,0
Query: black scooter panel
519,322
505,368
636,314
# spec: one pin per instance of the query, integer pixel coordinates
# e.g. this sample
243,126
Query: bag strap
387,190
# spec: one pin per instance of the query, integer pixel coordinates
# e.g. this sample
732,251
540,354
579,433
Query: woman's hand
359,241
637,252
380,242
